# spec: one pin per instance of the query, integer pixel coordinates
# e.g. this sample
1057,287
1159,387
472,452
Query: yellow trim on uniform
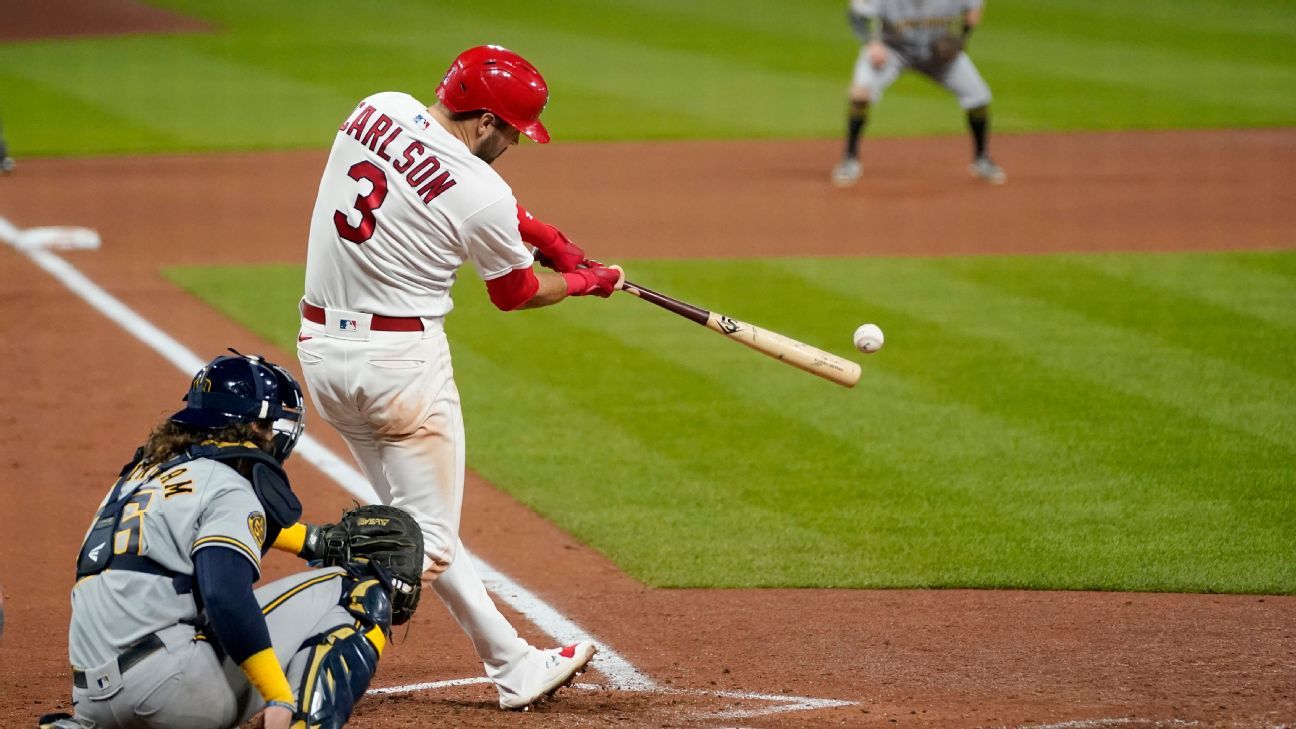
264,671
254,556
291,539
307,584
310,680
377,638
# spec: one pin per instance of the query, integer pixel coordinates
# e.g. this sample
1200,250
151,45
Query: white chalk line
782,704
621,674
1100,723
1128,721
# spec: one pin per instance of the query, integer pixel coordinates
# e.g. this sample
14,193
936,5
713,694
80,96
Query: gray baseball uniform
909,29
138,655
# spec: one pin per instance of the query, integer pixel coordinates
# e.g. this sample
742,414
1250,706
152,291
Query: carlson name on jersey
414,164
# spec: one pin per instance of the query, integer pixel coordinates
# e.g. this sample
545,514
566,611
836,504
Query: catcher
927,36
167,631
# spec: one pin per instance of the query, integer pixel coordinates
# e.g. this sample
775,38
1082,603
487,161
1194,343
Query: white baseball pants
392,397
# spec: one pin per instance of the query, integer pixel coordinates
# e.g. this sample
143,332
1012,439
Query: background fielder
927,36
407,197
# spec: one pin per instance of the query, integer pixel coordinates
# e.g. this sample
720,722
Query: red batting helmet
500,81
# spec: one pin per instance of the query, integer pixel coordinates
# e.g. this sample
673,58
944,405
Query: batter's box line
1134,723
782,704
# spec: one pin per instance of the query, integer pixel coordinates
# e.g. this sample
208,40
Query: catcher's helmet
243,389
495,79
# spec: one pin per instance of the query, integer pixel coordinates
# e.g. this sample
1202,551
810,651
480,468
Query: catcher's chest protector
110,545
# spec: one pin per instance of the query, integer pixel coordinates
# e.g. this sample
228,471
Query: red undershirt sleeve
513,289
533,231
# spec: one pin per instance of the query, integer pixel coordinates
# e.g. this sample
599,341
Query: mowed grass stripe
182,92
959,460
1183,353
1169,84
90,126
1261,298
1259,30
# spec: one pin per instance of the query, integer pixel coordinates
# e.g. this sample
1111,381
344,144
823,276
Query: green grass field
1106,422
280,74
1111,422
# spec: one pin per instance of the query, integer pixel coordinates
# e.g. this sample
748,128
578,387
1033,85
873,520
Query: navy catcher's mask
244,389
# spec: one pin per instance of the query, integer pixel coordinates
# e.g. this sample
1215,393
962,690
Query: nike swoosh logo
302,338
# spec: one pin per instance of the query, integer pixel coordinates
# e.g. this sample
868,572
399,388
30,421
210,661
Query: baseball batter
407,197
166,631
927,36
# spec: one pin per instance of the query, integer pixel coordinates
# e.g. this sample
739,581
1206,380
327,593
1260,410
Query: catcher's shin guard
367,595
338,670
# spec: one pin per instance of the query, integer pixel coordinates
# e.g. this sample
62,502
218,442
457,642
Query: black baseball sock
979,123
856,120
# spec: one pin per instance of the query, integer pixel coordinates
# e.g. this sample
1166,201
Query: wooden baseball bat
784,349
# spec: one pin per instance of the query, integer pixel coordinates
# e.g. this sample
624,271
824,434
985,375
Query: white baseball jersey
402,205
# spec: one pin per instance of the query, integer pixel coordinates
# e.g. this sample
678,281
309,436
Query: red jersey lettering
358,125
376,131
436,186
408,155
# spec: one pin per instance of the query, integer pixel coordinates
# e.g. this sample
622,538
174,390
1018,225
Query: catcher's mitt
386,535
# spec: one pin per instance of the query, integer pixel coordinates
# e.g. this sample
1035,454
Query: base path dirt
30,20
80,393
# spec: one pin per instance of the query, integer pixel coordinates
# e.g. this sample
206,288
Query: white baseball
868,338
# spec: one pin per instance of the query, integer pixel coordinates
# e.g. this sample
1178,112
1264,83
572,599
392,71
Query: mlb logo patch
420,119
347,325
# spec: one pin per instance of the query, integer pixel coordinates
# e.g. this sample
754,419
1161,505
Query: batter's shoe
846,173
57,721
7,165
984,168
558,667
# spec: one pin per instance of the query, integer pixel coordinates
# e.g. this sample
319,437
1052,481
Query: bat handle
695,314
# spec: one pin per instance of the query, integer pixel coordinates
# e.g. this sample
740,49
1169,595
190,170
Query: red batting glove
563,255
558,252
600,281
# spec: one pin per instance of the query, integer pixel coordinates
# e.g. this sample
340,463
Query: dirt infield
24,20
79,392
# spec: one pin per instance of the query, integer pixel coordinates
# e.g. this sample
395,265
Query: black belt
137,652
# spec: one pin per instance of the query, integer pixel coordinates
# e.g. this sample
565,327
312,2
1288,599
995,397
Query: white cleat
985,169
846,173
559,667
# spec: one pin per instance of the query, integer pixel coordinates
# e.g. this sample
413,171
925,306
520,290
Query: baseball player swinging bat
784,349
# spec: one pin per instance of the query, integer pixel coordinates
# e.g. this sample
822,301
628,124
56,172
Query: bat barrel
817,362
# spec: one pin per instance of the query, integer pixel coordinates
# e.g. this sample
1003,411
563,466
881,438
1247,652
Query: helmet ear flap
290,420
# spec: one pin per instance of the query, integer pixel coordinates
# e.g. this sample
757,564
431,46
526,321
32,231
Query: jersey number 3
365,204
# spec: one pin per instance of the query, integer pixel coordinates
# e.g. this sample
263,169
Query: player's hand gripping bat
784,349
